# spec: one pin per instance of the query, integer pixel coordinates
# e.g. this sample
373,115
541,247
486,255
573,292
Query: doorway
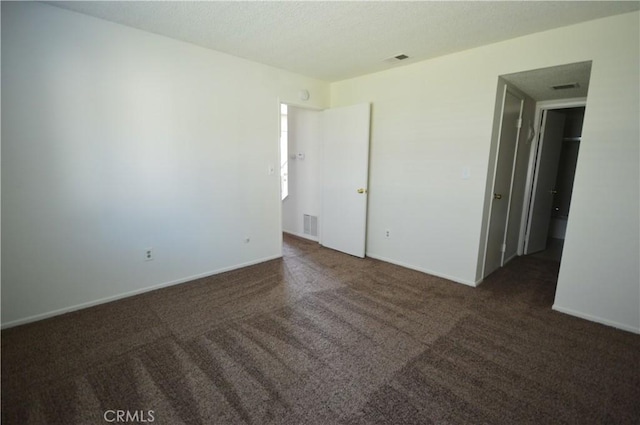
326,163
563,90
300,156
556,158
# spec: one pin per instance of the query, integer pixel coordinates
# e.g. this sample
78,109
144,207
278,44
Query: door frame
321,176
534,159
278,120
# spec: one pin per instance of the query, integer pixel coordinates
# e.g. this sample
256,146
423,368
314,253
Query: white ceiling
335,40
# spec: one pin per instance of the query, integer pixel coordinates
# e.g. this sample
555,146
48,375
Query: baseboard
423,270
302,235
509,259
116,297
596,319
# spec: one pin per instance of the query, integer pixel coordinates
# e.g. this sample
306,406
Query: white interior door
503,180
345,166
545,180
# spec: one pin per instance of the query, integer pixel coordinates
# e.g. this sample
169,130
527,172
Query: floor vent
310,225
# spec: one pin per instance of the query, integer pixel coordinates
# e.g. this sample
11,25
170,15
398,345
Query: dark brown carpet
323,338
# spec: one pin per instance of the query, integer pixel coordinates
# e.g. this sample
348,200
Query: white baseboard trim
116,297
302,235
596,319
423,270
506,260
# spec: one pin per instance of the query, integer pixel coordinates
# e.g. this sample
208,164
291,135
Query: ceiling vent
397,58
565,86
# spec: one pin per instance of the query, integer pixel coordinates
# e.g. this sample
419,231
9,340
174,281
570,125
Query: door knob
361,190
497,196
553,192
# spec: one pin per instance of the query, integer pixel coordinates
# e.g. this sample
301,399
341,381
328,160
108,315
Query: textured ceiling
335,40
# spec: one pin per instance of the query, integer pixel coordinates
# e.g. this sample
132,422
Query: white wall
115,140
600,272
304,174
434,118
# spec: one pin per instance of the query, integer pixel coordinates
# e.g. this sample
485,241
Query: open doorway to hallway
523,199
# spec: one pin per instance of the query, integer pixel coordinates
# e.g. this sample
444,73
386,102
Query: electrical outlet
148,254
387,233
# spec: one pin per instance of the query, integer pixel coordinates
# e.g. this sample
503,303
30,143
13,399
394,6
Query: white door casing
345,174
510,125
544,181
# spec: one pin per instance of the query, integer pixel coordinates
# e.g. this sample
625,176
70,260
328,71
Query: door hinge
519,123
503,248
